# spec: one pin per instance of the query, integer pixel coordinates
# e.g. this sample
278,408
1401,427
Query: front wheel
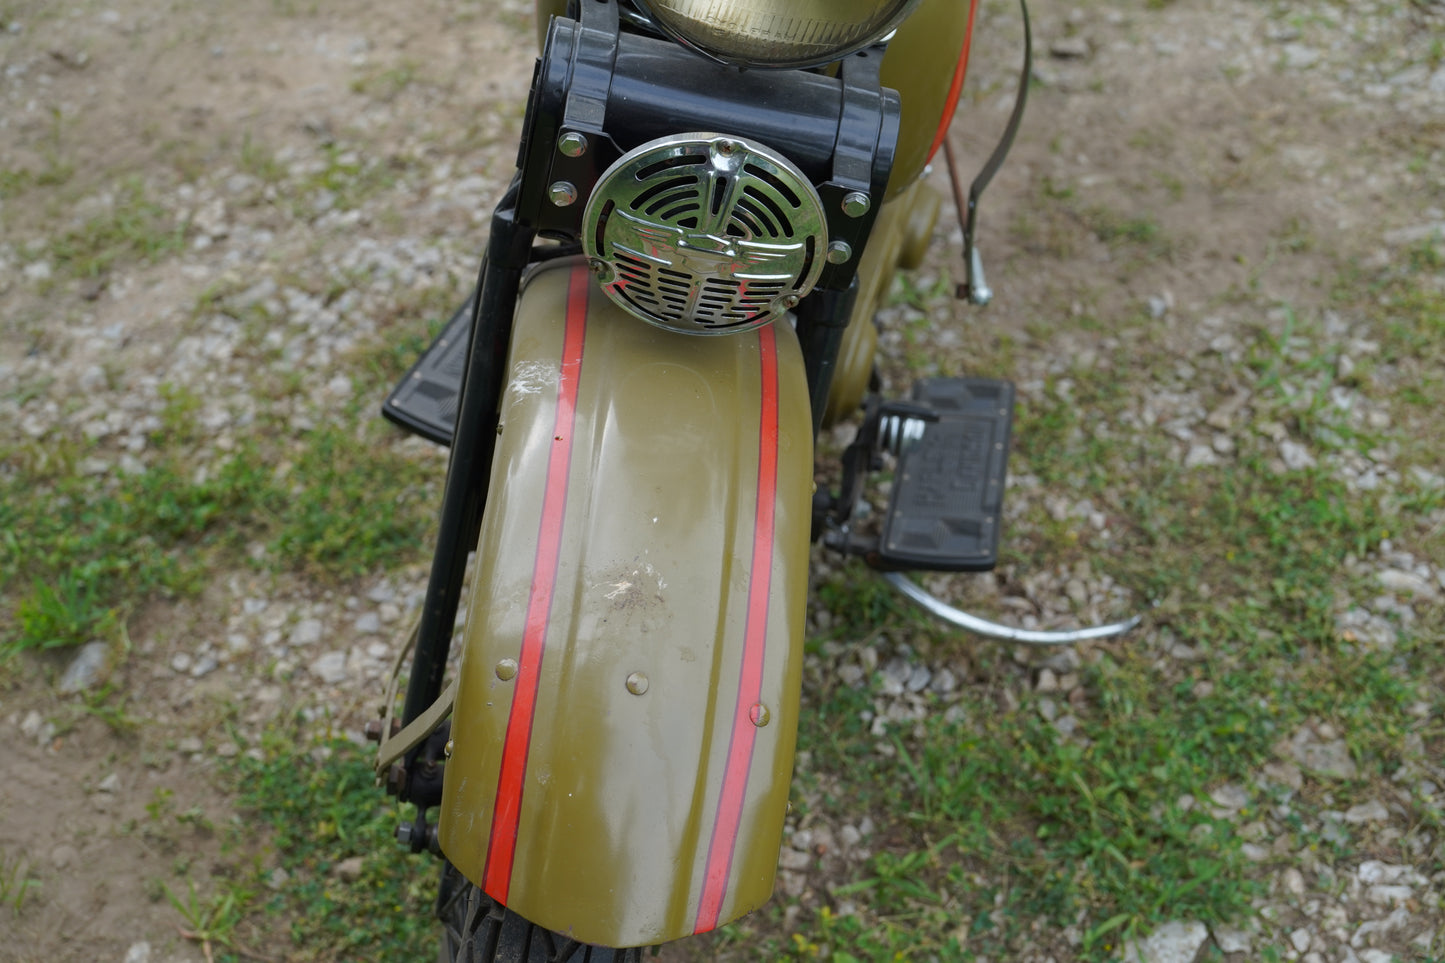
478,929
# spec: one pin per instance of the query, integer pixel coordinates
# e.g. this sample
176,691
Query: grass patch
1055,437
1119,230
1069,823
1413,318
135,227
319,806
1003,820
17,181
387,84
352,506
309,868
1274,543
335,178
346,178
92,547
997,827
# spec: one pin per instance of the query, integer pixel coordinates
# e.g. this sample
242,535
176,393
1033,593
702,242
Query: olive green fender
622,742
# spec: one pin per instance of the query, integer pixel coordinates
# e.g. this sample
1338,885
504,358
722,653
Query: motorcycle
711,200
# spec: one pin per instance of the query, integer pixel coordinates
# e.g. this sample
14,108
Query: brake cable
975,287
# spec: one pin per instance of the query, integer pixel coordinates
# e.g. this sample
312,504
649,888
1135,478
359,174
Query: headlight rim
905,8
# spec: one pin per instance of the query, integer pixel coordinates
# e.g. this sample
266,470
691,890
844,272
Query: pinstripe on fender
743,735
502,845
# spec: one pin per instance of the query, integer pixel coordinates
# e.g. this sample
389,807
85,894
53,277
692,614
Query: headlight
778,33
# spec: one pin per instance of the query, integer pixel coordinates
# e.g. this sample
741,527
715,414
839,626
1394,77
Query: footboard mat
425,401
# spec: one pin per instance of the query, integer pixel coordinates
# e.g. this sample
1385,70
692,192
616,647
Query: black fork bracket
469,468
822,319
620,90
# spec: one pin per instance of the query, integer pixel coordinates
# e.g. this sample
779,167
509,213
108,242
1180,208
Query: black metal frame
473,444
618,90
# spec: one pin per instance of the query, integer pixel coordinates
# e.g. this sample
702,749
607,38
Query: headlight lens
778,33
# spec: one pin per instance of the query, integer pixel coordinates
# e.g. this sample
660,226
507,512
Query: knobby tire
478,929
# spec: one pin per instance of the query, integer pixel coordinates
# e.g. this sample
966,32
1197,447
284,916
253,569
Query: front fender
628,693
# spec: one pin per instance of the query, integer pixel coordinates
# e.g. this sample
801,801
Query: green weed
210,921
162,804
319,804
135,227
14,182
94,547
68,612
178,417
93,550
338,178
15,883
347,178
352,506
111,706
907,291
1118,230
386,84
260,162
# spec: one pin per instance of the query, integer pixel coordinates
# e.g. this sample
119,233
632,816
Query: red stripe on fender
502,847
957,89
744,734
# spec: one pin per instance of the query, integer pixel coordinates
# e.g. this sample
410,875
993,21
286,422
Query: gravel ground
325,171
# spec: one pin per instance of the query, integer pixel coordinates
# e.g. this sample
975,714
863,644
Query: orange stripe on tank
956,90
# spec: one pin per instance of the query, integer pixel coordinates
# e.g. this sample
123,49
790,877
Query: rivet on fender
637,683
447,751
507,670
760,715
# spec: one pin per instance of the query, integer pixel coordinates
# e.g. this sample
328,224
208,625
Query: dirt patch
102,822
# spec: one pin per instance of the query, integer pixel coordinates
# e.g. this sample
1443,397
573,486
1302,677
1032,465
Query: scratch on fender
531,378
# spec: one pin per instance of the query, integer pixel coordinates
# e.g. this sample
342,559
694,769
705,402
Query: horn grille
705,233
